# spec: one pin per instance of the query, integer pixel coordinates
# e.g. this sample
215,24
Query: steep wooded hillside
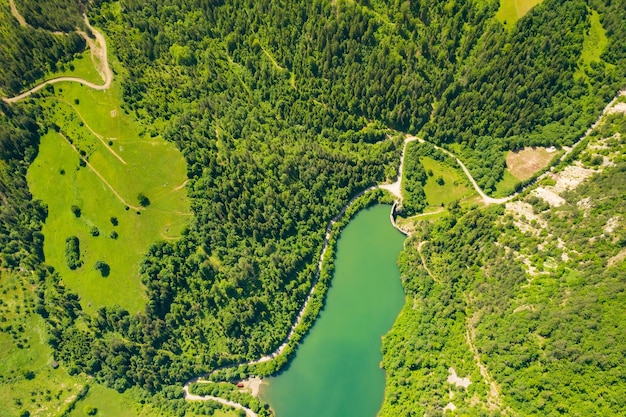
526,300
283,112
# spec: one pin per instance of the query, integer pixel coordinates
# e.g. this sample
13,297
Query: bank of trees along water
281,111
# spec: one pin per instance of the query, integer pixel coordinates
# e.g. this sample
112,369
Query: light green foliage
517,90
110,403
594,44
269,102
413,180
541,333
595,40
28,382
81,66
230,392
134,163
506,185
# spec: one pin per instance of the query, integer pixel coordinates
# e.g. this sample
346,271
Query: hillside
177,216
526,299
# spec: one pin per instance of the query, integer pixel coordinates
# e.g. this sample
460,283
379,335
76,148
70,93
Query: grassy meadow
455,185
110,403
440,194
81,67
511,11
100,161
506,185
594,43
522,165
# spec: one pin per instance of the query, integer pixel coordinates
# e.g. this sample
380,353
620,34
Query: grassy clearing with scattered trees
131,165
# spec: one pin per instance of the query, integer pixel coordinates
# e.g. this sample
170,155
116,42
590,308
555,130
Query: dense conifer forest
283,111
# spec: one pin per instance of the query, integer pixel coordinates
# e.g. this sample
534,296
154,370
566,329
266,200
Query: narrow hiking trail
100,137
486,199
420,246
494,401
99,58
16,14
104,181
491,200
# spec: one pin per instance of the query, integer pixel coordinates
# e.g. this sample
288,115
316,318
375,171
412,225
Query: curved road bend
98,50
193,397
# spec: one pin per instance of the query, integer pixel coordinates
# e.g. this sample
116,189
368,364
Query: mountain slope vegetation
535,290
285,110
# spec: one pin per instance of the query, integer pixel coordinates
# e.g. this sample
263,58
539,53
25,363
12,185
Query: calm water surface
336,370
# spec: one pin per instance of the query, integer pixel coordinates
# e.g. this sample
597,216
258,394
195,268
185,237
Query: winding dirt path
490,200
486,199
98,49
395,188
192,397
100,137
494,401
419,250
16,14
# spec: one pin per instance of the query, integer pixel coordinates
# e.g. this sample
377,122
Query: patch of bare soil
617,258
549,196
453,378
571,177
611,225
450,406
523,217
526,162
618,108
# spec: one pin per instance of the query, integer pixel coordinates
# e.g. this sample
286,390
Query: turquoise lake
336,372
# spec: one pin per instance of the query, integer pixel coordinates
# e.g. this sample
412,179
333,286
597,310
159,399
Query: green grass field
594,43
81,67
455,184
110,403
28,383
506,185
511,11
122,163
595,40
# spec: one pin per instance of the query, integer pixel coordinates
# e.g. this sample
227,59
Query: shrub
72,252
76,210
143,200
103,267
90,410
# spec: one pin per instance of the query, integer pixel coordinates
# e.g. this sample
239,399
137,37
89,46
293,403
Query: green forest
283,112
